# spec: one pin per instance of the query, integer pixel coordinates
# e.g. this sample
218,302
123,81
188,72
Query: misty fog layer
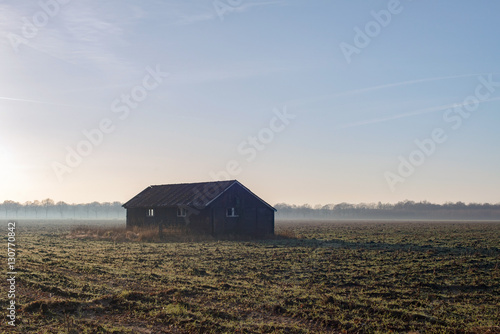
48,209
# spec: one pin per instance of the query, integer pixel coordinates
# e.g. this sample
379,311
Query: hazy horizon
318,103
312,205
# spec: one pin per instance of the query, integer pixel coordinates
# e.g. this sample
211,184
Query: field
321,277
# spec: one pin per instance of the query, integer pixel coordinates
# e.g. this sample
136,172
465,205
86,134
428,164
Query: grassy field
321,277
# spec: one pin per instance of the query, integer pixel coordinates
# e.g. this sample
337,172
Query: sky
301,101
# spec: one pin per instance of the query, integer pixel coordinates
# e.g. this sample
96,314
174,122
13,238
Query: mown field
321,277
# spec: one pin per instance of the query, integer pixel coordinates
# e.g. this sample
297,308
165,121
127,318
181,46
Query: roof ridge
176,194
185,183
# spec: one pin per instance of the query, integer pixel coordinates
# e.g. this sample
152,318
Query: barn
216,208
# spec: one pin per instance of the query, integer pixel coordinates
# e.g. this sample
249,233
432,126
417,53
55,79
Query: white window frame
151,212
233,212
181,212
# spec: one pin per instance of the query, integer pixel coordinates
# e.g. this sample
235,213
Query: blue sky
234,69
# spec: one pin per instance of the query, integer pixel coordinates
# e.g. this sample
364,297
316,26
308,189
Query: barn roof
183,194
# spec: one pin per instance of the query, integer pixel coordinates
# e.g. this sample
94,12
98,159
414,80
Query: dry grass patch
167,234
137,234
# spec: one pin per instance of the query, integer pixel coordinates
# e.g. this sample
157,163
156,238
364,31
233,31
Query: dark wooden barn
217,208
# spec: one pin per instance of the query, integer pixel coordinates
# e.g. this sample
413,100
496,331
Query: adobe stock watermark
32,25
11,272
226,6
454,118
253,144
120,108
372,29
248,150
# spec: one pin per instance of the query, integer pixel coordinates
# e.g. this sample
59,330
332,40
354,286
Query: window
151,213
231,212
181,212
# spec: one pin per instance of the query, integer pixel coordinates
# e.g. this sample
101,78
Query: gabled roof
184,194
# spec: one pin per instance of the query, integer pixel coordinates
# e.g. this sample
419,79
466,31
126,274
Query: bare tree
11,207
118,208
46,203
35,205
61,206
95,206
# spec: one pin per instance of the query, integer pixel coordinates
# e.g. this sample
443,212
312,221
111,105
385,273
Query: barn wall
254,217
136,217
168,217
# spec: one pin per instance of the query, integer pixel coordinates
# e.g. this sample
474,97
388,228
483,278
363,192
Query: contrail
409,82
87,89
43,102
409,114
23,100
379,87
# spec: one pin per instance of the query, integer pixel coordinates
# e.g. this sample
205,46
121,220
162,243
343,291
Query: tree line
400,210
48,209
